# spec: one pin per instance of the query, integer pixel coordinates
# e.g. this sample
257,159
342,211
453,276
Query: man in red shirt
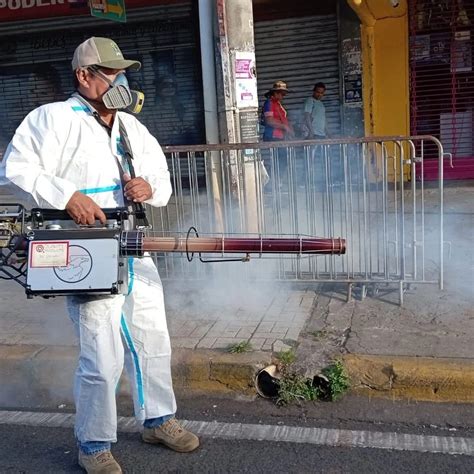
277,126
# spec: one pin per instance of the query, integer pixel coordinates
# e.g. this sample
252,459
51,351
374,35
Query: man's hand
84,210
137,189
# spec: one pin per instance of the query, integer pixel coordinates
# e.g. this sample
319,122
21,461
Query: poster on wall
440,48
353,89
431,49
248,127
245,80
352,72
461,57
351,56
420,45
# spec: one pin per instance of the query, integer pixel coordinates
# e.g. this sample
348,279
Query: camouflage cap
279,86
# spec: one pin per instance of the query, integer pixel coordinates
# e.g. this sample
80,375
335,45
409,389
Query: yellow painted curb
216,372
415,378
44,374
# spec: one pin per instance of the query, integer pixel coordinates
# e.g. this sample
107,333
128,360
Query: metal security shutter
442,81
300,51
35,68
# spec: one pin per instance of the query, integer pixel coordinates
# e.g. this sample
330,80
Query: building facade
417,75
391,67
37,43
301,45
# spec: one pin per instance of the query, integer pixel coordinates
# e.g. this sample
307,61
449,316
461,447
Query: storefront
308,42
302,43
35,56
442,80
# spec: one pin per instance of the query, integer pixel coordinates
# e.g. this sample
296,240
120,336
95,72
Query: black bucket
267,382
322,384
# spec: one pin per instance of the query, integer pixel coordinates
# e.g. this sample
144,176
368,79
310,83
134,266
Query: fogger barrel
258,245
50,259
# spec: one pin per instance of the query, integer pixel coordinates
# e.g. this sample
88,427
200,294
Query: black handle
38,216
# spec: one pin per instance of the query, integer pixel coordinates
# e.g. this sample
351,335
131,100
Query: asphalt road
52,450
38,449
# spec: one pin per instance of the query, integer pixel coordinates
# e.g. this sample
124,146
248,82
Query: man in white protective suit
70,155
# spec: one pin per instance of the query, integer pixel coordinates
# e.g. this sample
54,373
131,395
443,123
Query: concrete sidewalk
423,350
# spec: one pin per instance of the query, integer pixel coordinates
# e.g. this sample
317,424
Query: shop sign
109,10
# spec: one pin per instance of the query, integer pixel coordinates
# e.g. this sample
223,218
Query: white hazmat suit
60,148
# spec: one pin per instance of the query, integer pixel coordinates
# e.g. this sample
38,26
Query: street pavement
51,450
352,436
215,324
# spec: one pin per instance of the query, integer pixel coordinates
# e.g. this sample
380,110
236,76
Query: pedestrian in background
314,114
277,125
314,126
275,118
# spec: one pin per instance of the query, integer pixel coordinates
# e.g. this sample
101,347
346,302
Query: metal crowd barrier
370,191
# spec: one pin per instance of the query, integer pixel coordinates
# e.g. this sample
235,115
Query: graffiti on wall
169,78
25,88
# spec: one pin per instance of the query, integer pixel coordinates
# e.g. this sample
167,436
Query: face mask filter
120,96
136,105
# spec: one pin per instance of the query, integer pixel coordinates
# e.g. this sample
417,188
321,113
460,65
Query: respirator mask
120,96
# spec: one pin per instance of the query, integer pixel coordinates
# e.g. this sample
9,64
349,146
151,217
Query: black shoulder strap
138,207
